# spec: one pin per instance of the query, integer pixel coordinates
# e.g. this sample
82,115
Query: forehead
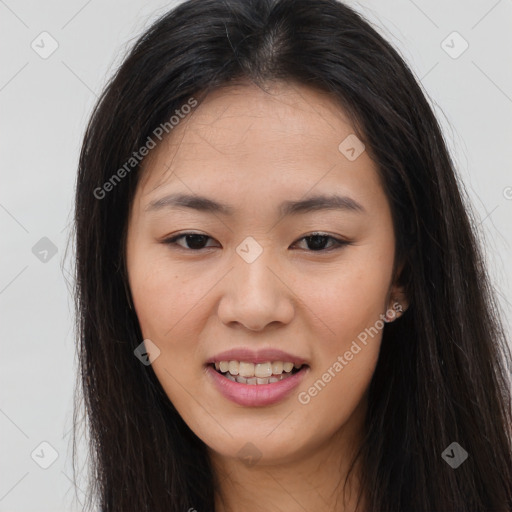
287,135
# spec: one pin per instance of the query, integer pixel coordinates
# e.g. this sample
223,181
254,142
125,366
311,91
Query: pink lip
257,394
255,356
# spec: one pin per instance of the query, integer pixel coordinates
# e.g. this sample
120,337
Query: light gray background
45,104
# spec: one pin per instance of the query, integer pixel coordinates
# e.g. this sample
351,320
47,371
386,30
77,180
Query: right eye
193,241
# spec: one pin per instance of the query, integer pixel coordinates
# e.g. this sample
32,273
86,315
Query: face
263,272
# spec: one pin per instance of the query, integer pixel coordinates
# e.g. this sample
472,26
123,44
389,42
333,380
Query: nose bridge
252,273
255,296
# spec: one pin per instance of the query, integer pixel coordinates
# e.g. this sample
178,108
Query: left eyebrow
286,208
320,202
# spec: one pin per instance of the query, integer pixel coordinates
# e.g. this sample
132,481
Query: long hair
443,369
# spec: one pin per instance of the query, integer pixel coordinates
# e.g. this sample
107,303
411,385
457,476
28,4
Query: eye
194,241
316,241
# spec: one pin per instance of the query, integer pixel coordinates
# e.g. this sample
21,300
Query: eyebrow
286,208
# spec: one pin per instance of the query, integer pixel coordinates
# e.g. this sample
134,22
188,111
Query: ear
398,302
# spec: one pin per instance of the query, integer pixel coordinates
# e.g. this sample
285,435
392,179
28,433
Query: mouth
254,374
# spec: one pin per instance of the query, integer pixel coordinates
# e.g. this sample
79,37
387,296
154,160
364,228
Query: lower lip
254,395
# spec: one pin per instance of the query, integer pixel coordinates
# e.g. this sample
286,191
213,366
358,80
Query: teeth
255,380
246,369
259,371
277,367
263,370
233,367
288,367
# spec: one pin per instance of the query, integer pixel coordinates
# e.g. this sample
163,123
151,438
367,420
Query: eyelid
338,242
172,240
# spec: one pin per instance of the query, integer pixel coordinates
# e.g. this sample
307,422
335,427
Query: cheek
162,294
349,303
168,306
347,355
347,299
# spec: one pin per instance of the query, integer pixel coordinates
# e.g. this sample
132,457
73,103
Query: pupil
317,241
202,240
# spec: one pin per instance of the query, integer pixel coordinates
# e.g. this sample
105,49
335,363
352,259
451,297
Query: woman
282,302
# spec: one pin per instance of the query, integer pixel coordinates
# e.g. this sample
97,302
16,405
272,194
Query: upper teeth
260,370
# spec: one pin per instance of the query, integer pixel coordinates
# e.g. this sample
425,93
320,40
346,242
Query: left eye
319,240
316,241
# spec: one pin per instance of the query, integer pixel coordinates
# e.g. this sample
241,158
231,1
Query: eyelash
339,243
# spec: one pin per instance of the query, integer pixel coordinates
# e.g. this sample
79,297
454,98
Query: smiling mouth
257,374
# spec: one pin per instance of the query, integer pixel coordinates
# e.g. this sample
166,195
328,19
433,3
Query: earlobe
397,306
398,300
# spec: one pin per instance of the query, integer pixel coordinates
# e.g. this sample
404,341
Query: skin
253,149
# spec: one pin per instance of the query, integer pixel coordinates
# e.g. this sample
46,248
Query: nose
256,295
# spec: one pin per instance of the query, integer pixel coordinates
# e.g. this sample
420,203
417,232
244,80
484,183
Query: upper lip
255,356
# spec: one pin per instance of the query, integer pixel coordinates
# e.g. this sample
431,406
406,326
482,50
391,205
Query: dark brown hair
442,371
